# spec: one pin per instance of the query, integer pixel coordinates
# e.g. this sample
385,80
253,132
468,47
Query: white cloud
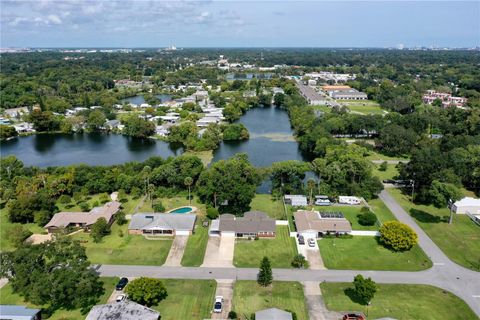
53,18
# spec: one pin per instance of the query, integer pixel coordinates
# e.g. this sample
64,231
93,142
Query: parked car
391,181
120,297
301,240
121,284
217,307
354,316
311,242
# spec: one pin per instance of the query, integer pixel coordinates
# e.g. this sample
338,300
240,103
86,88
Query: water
139,99
181,210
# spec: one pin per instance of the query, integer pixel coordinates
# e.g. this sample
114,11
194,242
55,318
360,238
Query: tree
299,261
120,218
440,193
146,291
397,236
287,176
265,276
383,166
138,127
279,99
212,213
367,217
396,140
235,131
96,120
44,121
99,229
7,132
364,289
17,234
188,182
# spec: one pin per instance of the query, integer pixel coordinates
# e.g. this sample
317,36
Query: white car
121,297
311,242
217,307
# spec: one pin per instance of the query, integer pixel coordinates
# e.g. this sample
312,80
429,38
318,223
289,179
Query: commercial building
312,97
252,224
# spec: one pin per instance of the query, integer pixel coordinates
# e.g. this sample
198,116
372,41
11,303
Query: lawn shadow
426,217
350,292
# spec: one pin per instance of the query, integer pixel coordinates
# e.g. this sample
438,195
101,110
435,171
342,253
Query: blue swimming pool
182,210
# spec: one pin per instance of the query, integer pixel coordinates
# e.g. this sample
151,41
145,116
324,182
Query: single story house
63,220
112,124
296,200
313,224
125,310
252,224
13,312
467,205
273,314
162,224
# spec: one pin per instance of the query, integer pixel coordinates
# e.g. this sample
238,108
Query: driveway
314,258
219,253
176,251
225,289
315,305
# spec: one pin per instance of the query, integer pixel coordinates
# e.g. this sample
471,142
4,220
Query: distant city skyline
130,24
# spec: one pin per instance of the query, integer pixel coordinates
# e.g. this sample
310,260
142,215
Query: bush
42,217
212,213
397,236
120,233
383,166
104,197
64,199
17,234
99,229
367,218
232,315
158,206
136,192
120,218
299,261
84,206
146,291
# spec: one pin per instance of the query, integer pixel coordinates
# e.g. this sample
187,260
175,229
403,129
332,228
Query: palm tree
311,184
188,182
146,177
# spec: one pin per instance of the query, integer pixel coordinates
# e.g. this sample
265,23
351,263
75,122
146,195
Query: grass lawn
399,301
8,297
249,297
280,250
381,211
365,107
196,246
373,155
5,225
187,299
265,203
175,202
128,249
205,156
365,253
127,206
390,173
460,241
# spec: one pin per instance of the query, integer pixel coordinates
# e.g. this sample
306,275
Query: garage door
182,233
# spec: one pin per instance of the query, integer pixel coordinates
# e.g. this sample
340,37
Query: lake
139,99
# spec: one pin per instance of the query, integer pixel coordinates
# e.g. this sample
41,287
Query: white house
467,205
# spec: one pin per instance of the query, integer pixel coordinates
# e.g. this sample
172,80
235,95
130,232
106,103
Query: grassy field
373,155
365,253
187,299
126,249
399,301
8,297
381,211
127,206
205,156
265,203
280,250
390,173
364,106
249,297
196,246
460,241
5,225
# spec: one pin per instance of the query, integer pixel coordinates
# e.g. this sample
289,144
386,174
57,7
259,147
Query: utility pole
450,203
413,188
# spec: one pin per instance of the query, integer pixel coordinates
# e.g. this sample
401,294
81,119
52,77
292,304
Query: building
63,220
312,97
273,314
314,224
296,200
16,112
349,200
349,95
112,124
252,224
125,310
467,205
205,121
162,224
12,312
446,99
24,127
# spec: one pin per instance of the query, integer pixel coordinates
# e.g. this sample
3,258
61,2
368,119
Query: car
121,284
301,240
391,181
217,306
120,297
354,316
311,242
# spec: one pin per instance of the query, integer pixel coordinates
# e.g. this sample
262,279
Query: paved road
390,161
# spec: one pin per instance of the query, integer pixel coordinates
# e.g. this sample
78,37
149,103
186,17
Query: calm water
139,99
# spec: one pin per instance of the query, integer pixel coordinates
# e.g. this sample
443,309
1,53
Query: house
314,224
24,127
467,205
112,124
13,312
63,220
349,200
252,224
273,314
125,310
205,121
296,200
162,224
16,112
446,98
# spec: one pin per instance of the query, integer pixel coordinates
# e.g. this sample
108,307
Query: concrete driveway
315,305
314,258
225,289
219,253
176,251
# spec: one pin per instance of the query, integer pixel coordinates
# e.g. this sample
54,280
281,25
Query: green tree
383,166
279,99
367,217
440,193
146,291
235,131
138,127
96,120
364,289
212,213
188,183
7,132
99,229
397,236
265,276
120,218
17,234
287,176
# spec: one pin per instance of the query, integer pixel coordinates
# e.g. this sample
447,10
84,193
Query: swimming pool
182,210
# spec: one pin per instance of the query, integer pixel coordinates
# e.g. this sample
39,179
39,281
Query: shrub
120,218
17,234
364,289
104,197
99,229
42,217
397,236
146,291
120,233
299,261
158,206
383,166
64,199
367,218
232,315
212,213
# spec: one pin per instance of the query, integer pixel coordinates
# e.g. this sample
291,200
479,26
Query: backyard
280,250
196,246
460,241
175,202
399,301
365,253
249,297
265,203
6,225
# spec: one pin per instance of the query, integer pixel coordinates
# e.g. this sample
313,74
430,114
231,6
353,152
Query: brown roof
311,220
328,88
251,222
63,219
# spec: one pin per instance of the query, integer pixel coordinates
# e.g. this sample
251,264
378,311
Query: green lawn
128,249
5,225
460,241
373,155
205,156
350,213
364,107
8,297
390,173
280,250
365,253
187,299
265,203
196,246
249,297
399,301
175,202
381,211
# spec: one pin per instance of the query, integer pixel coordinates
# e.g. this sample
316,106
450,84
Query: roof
125,310
273,314
16,312
313,221
251,222
63,219
467,202
162,221
330,88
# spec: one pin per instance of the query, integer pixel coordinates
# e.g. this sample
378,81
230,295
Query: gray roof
251,222
273,314
125,310
17,312
162,221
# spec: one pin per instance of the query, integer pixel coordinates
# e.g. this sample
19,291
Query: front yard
365,253
280,250
399,301
196,246
249,297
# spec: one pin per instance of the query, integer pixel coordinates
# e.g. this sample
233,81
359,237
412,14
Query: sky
155,23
